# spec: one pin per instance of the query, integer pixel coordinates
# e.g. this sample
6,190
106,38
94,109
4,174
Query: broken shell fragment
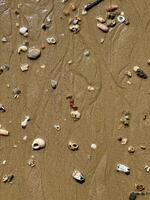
2,109
125,118
38,144
75,114
139,187
111,23
100,19
57,127
123,168
147,168
73,146
78,176
131,149
74,28
121,19
16,92
51,40
31,162
24,67
23,30
22,48
103,27
25,122
124,141
8,178
54,84
4,132
139,72
90,88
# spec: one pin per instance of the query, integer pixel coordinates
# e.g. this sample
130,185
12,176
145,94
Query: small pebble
43,66
33,53
93,146
31,162
103,27
143,147
100,19
25,137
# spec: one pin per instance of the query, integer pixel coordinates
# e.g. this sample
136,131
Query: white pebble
93,146
23,30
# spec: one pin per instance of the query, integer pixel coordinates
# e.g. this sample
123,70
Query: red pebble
112,8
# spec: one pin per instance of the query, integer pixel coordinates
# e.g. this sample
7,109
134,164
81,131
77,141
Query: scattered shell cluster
113,16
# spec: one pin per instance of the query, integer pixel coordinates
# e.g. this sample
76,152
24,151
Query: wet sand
104,69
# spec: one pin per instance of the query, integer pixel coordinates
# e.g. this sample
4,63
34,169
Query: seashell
136,68
111,23
112,7
54,84
121,19
8,178
23,30
24,67
4,132
57,127
103,27
100,19
78,176
33,53
25,122
75,114
2,108
4,39
124,141
73,146
139,187
147,168
38,144
90,88
74,28
131,149
51,40
23,48
123,168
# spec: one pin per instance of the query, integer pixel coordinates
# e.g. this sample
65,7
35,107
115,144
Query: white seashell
90,88
123,168
24,67
75,114
78,176
23,30
23,48
25,122
100,19
38,143
121,18
136,68
4,132
51,40
124,141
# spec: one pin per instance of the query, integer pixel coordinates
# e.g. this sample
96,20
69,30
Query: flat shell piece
78,176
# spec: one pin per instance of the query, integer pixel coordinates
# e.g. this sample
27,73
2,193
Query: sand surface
101,109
